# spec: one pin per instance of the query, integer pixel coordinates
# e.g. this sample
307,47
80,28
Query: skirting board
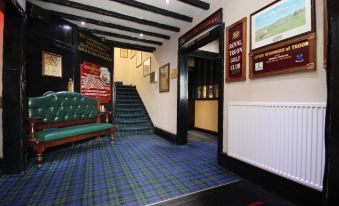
206,131
166,135
271,181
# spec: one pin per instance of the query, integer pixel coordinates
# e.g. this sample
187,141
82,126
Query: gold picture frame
123,53
147,67
51,64
132,53
139,59
164,78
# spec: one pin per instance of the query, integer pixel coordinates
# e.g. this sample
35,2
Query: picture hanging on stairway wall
139,58
124,53
147,67
164,80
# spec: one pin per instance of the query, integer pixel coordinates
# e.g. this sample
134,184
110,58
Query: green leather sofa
64,117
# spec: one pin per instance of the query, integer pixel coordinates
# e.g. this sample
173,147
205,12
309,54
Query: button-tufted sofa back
62,106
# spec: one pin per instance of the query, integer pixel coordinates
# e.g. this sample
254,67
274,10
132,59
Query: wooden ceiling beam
117,15
106,24
154,9
197,3
130,46
121,36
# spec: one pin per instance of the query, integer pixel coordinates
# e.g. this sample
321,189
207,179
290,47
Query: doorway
184,100
203,93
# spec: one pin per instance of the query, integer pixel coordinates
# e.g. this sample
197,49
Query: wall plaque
297,54
212,20
95,82
236,35
92,46
51,64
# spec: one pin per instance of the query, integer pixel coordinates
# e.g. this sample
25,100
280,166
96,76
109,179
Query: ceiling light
66,27
83,23
141,34
167,1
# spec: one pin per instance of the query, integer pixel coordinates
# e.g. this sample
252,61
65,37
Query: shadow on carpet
136,170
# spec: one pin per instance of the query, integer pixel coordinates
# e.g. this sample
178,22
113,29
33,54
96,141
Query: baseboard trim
166,135
206,131
1,165
270,181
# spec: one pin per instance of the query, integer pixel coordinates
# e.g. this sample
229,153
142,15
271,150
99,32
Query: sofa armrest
104,113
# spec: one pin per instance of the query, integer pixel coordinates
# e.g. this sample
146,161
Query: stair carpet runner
131,115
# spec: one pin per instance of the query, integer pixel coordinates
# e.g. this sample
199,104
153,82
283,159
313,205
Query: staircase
130,112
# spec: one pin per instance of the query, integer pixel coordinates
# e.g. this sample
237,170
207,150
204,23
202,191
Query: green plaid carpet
131,115
136,170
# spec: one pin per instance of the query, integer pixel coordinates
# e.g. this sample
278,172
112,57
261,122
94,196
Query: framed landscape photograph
124,53
132,53
147,67
51,64
281,20
164,80
139,58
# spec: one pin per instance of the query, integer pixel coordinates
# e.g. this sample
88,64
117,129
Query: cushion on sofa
60,133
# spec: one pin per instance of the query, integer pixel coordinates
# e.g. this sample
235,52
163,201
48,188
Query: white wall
295,87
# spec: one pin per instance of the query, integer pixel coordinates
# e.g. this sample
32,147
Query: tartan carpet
135,170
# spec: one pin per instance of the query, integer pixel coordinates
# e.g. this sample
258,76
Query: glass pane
211,92
216,91
204,93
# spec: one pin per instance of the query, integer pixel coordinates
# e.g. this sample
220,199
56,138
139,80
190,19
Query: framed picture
236,45
164,80
281,20
147,67
51,64
124,53
139,58
132,53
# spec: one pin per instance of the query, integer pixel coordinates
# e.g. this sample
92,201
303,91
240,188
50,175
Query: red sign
294,55
214,19
95,82
236,51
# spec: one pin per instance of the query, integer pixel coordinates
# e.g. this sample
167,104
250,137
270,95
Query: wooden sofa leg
97,138
112,135
39,159
39,150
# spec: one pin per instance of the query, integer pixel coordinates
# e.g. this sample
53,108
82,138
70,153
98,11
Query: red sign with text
95,82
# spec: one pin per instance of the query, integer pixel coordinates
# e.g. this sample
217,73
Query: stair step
128,102
133,124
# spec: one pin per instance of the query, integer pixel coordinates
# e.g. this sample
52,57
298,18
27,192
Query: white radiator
284,138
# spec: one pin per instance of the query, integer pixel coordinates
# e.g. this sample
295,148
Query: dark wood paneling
109,25
164,134
105,12
154,9
331,179
271,181
197,3
14,90
54,38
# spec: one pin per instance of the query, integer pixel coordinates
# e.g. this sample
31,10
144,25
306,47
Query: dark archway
182,102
